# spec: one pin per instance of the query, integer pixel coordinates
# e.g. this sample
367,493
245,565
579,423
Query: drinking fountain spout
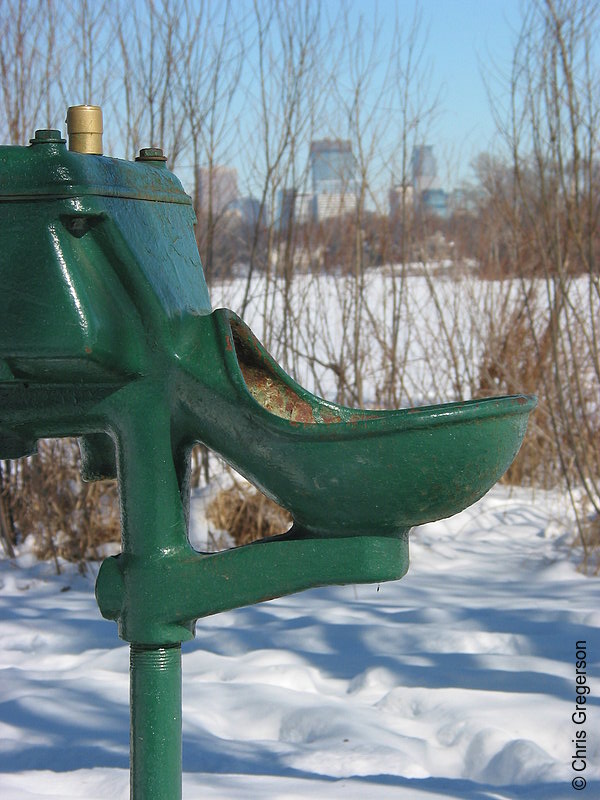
107,333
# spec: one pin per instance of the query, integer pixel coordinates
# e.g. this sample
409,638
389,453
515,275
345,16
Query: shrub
46,498
246,514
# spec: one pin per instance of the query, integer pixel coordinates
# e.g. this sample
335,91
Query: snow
445,323
456,682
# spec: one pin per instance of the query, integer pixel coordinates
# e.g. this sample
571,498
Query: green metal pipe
155,693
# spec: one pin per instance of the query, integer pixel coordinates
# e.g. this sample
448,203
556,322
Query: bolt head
47,136
151,154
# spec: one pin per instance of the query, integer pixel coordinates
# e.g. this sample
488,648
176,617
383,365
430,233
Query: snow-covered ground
460,681
457,682
445,323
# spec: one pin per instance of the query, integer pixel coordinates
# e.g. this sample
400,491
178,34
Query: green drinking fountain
107,334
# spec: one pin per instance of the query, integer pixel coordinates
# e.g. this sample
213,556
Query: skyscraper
424,169
333,170
429,195
294,206
224,189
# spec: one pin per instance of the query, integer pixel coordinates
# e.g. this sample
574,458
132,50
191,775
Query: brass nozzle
84,127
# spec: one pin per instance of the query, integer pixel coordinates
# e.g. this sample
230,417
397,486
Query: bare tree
413,107
88,53
548,200
150,44
382,102
285,53
213,49
28,67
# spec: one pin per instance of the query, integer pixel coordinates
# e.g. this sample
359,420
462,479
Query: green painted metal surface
155,738
107,333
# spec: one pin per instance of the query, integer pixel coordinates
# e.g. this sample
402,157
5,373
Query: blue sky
467,39
464,42
467,43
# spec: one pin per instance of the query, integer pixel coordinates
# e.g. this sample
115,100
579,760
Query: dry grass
68,518
44,496
527,337
591,535
246,514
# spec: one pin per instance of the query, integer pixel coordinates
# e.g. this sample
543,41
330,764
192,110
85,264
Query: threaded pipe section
155,694
143,657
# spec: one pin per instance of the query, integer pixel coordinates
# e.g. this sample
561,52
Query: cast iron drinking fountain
107,334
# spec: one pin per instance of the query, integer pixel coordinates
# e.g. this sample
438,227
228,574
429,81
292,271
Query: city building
222,192
435,201
333,171
424,169
247,208
330,206
293,206
429,197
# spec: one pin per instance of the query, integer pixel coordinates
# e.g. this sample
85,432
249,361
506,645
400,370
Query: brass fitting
84,128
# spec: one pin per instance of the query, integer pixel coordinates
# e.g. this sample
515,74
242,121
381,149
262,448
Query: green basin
343,471
105,310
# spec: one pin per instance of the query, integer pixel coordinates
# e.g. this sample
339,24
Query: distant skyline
464,42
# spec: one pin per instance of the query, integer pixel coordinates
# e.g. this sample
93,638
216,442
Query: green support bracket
107,333
159,601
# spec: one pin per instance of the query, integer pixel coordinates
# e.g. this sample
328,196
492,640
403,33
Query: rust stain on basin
263,382
274,395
